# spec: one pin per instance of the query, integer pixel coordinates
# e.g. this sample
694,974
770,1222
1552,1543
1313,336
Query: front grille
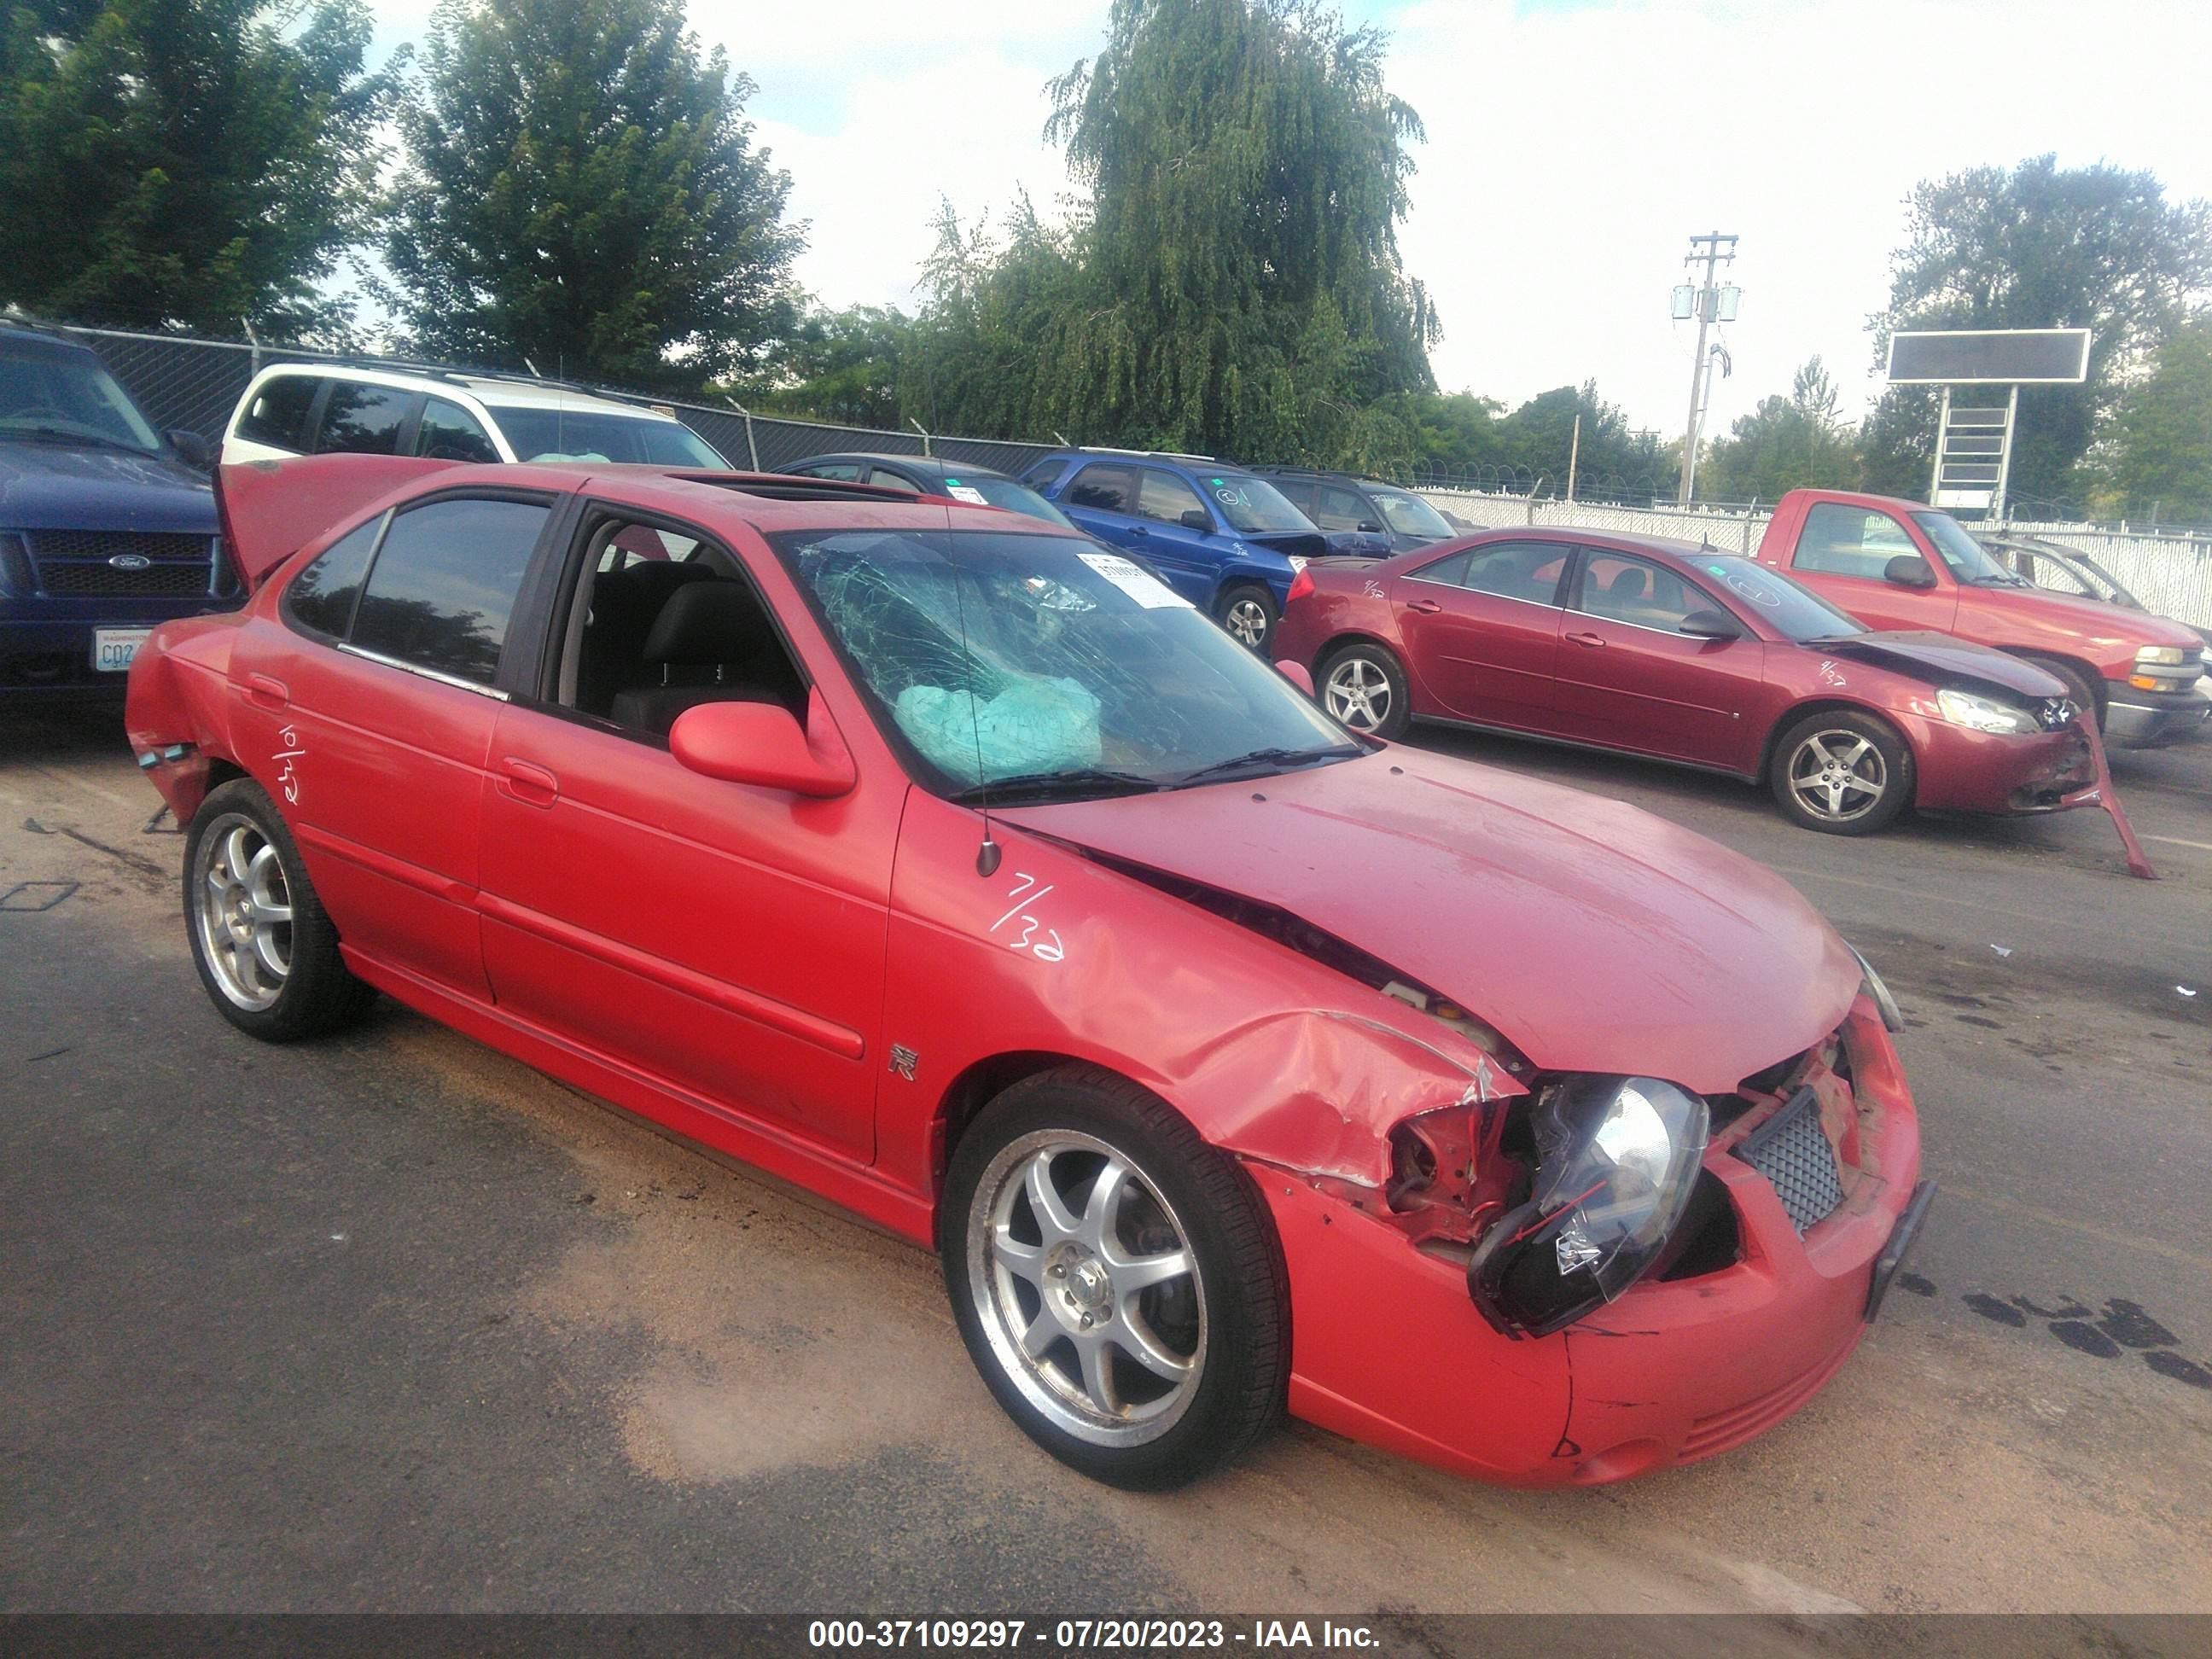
80,564
1792,1151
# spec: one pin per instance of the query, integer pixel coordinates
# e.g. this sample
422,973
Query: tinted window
1339,510
445,582
320,598
1452,568
1299,492
883,480
842,471
1849,541
1164,497
1516,570
1107,488
450,433
363,420
592,435
1637,591
278,415
1043,475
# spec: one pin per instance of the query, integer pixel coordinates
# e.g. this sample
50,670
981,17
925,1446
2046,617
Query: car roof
34,334
1667,549
936,465
493,391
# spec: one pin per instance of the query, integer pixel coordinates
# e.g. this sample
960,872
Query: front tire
267,954
1116,1280
1363,687
1843,773
1249,613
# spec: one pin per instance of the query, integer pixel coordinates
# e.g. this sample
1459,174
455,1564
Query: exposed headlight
1870,982
1617,1157
1983,714
2164,656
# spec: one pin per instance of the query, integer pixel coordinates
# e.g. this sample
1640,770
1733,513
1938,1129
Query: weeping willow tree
1233,283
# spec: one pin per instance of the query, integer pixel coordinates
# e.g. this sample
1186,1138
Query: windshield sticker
1146,589
961,492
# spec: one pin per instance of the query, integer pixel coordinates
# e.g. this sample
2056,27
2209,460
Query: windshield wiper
1073,784
1261,757
62,434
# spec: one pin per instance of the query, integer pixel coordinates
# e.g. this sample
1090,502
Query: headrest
714,621
1629,582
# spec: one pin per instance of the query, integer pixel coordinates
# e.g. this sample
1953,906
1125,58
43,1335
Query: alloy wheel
1358,693
244,912
1838,775
1246,619
1087,1285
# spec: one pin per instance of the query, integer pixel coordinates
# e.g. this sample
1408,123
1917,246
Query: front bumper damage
1388,1348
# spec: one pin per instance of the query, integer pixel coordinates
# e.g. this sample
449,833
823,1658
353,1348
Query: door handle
1586,638
1426,607
1139,530
533,785
266,691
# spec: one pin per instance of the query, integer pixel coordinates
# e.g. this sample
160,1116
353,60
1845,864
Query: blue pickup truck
106,526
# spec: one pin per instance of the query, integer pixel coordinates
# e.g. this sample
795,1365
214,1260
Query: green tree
2039,247
2156,452
1234,284
185,162
582,191
842,366
1800,441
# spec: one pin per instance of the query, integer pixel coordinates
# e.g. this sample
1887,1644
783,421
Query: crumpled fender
174,710
1356,1078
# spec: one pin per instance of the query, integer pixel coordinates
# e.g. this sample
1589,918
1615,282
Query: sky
1573,147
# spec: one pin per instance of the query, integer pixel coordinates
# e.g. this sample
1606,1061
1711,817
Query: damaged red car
1667,649
952,867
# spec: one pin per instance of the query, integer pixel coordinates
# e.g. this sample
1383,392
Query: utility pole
1574,455
1710,304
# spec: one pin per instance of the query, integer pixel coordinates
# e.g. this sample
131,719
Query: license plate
112,648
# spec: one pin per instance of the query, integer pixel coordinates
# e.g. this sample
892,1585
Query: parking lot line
2176,841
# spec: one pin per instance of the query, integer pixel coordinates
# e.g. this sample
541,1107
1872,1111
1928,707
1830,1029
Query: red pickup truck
1898,564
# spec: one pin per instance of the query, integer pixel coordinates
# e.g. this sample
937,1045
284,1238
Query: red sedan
953,867
1666,648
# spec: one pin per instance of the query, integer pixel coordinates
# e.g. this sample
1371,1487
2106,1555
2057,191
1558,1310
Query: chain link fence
195,384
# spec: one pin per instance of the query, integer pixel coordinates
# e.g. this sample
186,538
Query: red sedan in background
941,861
1666,648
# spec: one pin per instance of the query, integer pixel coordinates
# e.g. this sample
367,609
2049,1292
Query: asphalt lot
392,1322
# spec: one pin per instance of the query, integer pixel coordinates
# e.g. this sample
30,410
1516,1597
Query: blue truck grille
120,563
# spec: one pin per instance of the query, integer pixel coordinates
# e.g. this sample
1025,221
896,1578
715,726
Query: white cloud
1572,151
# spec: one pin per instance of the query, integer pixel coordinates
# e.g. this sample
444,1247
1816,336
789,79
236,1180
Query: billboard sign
2006,357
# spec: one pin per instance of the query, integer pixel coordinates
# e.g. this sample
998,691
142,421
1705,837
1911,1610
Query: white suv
321,408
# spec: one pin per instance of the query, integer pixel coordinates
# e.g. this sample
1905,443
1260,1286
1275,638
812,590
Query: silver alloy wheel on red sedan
1358,693
1838,775
245,912
1087,1286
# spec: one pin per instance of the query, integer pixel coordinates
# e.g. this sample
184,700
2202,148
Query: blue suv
105,528
1223,538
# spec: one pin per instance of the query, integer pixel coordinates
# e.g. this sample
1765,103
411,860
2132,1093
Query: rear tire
266,952
1363,688
1134,1319
1842,773
1248,612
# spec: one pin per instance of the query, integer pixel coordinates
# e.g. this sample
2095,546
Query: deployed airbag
1034,725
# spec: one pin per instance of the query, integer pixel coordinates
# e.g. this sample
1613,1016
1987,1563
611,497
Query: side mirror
191,449
1196,518
759,744
1909,570
1369,527
1295,672
1709,625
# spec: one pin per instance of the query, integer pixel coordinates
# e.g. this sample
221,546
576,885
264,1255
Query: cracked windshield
1081,673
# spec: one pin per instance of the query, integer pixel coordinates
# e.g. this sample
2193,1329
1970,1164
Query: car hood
55,486
1945,658
1594,936
2094,618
